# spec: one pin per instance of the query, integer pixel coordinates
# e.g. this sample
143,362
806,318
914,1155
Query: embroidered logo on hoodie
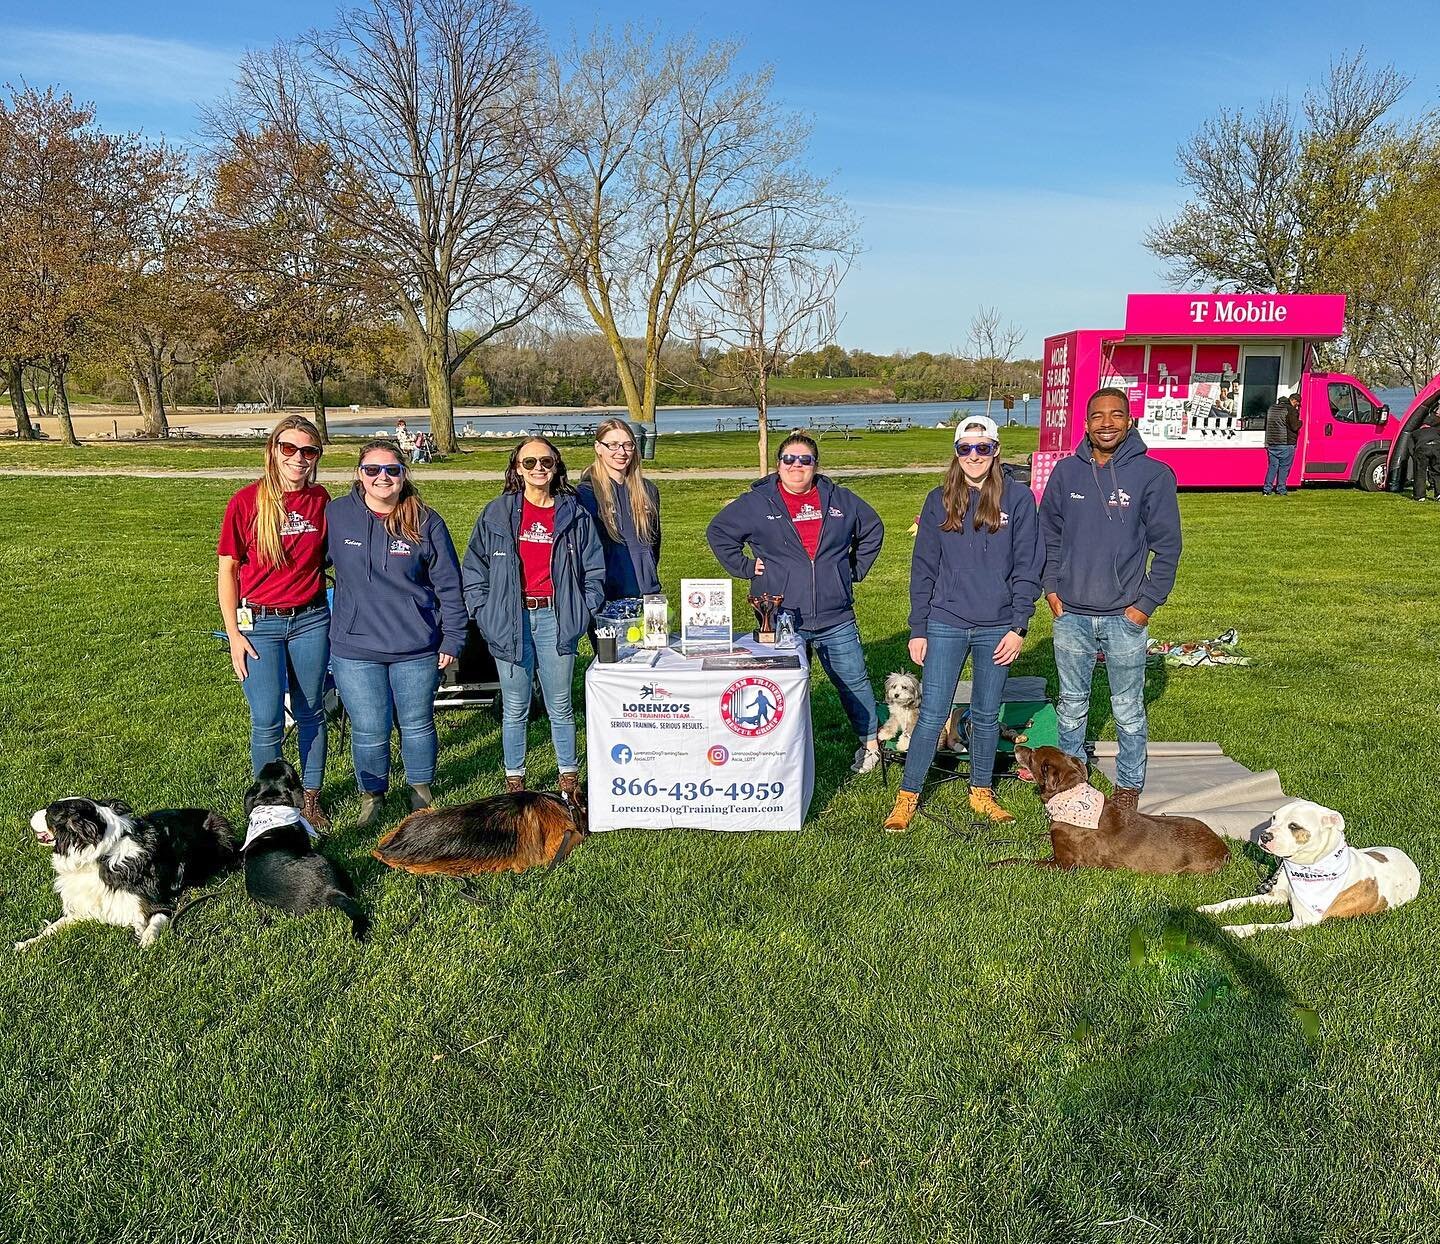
399,548
1123,501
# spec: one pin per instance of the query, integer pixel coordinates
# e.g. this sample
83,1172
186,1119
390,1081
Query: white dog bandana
1079,806
263,820
1316,886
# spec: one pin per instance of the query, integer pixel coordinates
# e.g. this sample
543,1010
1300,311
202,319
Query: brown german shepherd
505,833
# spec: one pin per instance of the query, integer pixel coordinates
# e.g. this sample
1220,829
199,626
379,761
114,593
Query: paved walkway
440,473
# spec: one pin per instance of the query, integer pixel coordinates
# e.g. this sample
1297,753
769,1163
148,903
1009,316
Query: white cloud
122,68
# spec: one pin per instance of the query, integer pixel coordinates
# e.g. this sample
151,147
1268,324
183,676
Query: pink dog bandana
1079,806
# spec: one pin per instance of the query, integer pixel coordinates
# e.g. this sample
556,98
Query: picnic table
262,430
834,426
740,422
889,423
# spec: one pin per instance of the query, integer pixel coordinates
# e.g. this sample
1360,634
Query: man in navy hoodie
811,541
1111,525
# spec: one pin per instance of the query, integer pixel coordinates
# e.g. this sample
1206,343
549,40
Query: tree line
1335,193
413,182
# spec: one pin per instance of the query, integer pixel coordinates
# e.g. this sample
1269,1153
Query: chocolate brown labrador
1123,839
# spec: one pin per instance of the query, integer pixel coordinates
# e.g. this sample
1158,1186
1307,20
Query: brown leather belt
288,611
539,602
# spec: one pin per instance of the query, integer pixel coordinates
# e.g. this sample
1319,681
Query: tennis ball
633,634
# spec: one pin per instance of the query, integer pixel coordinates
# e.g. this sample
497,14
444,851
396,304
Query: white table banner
675,746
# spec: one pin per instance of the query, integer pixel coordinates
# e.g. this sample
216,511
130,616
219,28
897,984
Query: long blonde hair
270,497
603,485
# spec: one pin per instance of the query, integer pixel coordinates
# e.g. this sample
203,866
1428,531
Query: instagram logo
717,755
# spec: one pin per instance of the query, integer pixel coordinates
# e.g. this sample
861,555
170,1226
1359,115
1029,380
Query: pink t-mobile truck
1201,371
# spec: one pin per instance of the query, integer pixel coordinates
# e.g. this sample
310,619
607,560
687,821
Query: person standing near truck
1425,458
1282,434
1111,525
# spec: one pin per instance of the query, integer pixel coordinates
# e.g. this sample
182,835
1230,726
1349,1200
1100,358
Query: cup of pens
606,638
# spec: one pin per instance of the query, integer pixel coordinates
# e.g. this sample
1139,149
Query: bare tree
1274,194
421,106
991,348
774,298
658,157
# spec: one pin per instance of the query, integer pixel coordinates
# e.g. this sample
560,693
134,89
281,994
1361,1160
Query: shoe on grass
371,802
314,812
902,813
1126,797
514,783
982,803
866,758
420,796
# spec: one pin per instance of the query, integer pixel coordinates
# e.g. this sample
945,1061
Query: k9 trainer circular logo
752,706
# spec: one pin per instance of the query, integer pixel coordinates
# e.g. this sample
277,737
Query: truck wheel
1372,473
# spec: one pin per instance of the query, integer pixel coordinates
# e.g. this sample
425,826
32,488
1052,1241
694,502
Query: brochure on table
704,615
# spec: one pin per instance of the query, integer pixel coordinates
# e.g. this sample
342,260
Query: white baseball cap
969,424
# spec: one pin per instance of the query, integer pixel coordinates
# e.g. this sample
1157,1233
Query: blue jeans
946,648
369,689
291,655
539,651
1277,471
843,660
1077,637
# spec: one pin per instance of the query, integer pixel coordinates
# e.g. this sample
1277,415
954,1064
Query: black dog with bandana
282,867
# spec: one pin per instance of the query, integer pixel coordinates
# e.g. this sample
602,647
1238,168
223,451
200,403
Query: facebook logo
621,754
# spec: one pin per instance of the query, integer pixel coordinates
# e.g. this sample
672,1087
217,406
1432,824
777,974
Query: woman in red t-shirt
272,601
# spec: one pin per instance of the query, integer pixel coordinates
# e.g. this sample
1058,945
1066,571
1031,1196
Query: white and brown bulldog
1321,876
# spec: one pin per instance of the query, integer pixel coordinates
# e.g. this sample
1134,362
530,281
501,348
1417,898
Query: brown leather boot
982,803
570,785
902,813
1126,798
514,783
314,812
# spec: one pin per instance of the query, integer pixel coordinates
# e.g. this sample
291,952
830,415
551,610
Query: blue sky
1011,155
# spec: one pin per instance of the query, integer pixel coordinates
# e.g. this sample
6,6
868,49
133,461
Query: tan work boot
514,783
314,812
1126,798
569,784
982,803
901,814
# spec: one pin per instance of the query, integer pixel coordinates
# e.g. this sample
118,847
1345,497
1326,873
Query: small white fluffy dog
1321,876
902,697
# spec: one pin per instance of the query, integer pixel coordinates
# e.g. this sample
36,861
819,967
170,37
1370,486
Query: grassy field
698,451
836,1035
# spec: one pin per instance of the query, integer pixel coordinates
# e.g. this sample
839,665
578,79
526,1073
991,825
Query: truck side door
1337,427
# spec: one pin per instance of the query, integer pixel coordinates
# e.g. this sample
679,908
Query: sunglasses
393,469
545,464
616,446
798,459
288,449
982,449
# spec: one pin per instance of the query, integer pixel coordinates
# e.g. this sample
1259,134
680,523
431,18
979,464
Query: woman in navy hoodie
626,509
974,581
811,541
534,576
399,619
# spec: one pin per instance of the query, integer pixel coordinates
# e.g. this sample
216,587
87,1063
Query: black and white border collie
127,870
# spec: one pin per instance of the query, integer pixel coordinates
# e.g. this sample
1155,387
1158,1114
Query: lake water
709,418
700,419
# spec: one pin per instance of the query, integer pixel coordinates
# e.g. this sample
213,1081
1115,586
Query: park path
441,473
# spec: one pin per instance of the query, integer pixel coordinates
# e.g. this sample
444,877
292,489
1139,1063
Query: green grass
698,451
836,1035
